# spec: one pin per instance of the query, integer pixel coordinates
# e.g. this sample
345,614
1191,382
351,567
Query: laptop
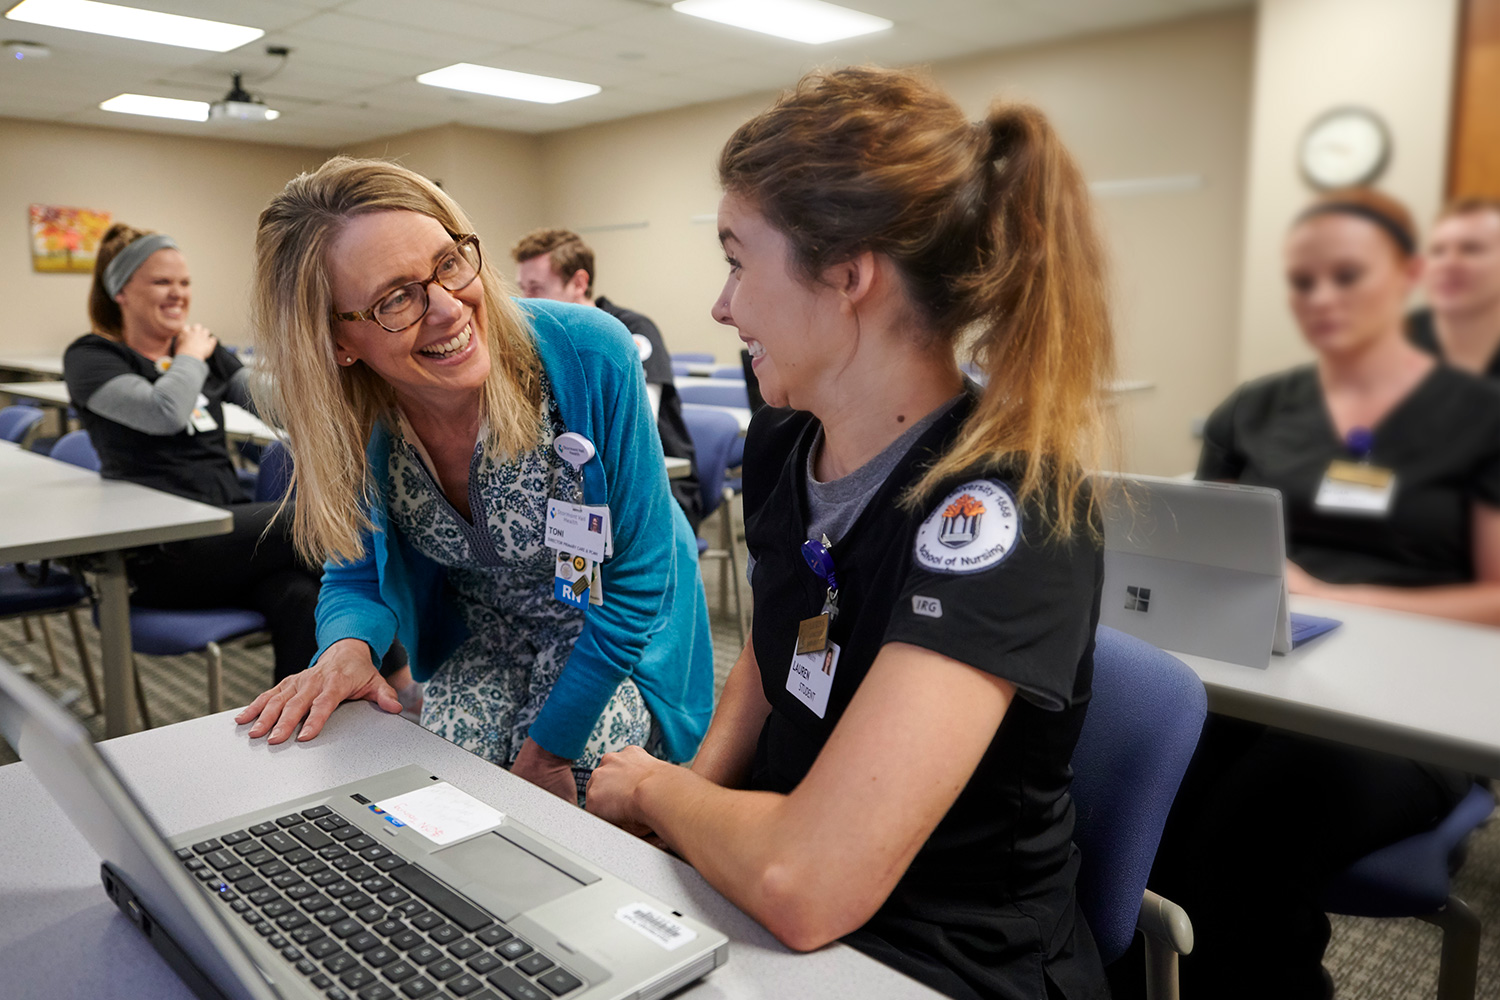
1199,568
394,887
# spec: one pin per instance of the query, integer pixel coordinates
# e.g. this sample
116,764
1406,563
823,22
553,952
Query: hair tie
1405,240
128,261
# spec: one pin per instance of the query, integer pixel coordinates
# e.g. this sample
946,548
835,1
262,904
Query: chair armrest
1162,920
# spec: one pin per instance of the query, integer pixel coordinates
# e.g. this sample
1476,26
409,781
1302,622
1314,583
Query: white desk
1412,685
706,380
46,365
238,422
678,468
61,937
49,509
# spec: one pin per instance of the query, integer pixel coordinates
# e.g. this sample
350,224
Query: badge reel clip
812,633
581,534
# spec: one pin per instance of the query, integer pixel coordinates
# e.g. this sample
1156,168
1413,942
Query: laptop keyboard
357,921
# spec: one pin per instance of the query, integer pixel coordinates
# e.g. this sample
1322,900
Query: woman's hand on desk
611,791
546,770
344,672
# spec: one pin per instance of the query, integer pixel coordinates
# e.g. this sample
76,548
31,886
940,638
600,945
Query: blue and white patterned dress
487,694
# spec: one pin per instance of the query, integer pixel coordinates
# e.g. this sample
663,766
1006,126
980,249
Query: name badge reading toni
578,528
1357,489
810,678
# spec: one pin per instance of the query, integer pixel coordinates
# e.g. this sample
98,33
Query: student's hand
1300,581
611,789
344,672
196,341
546,770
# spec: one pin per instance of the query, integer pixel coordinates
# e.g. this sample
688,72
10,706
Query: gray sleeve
238,389
162,407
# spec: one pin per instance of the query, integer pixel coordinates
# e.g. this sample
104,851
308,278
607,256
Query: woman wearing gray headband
150,388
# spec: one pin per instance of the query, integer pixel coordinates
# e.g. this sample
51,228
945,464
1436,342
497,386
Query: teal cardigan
653,625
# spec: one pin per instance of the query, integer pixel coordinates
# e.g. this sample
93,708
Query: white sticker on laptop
660,927
441,813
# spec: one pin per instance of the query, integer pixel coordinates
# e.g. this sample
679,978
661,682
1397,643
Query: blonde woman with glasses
434,422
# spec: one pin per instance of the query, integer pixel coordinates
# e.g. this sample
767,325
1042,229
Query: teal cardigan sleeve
350,605
604,398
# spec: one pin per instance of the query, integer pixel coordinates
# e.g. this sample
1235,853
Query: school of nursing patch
642,346
973,528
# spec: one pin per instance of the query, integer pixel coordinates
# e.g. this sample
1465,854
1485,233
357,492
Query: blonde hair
328,411
990,225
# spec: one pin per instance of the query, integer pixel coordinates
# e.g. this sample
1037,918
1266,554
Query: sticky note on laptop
441,813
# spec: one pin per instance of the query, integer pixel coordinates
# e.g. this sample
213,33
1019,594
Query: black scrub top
987,908
1421,332
191,463
1442,442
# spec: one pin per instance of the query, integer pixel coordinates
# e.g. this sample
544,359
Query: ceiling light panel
157,107
134,23
811,21
508,83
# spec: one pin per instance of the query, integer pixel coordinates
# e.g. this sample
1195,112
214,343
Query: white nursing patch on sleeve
642,346
973,528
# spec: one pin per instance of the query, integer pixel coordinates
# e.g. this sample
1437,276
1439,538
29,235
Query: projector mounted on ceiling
240,105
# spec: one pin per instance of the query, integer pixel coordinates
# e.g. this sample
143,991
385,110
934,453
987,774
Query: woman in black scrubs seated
150,389
889,763
1389,467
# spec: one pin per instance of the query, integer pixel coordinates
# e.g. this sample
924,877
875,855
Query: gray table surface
1406,684
238,421
61,937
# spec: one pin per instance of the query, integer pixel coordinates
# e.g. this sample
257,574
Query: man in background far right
1461,324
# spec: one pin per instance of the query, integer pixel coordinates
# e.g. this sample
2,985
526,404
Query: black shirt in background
987,907
1421,332
191,463
1442,441
675,442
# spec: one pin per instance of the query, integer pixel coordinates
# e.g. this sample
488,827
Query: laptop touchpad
502,877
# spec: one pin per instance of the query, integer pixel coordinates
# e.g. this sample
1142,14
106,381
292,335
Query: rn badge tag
973,528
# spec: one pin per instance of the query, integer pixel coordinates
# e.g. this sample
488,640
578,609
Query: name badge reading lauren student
1356,488
811,677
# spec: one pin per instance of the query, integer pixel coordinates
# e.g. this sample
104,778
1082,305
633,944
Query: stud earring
348,359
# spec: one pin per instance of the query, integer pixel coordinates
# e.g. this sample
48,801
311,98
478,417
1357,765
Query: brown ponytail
991,228
104,311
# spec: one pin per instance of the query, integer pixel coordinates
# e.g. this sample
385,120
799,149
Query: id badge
578,528
810,678
572,580
202,420
1356,489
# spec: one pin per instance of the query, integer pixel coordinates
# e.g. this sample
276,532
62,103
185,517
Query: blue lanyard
815,553
1361,443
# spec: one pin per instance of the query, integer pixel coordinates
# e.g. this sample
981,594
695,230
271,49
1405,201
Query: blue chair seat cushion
702,546
1410,877
20,596
172,632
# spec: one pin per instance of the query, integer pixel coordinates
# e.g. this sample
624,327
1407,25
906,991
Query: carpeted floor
1369,959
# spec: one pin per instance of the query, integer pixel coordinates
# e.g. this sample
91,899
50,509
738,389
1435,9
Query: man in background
556,264
1462,280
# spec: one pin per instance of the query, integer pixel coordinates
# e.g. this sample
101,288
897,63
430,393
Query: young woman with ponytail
908,794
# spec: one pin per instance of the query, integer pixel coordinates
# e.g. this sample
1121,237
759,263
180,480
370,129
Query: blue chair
693,357
1410,878
681,368
730,371
18,423
275,472
1138,737
27,592
721,392
169,632
714,434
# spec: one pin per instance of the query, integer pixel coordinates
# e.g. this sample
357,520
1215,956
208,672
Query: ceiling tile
499,27
439,47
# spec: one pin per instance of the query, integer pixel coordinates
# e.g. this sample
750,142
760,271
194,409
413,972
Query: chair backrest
693,357
730,371
75,448
720,392
713,432
1140,732
275,472
16,421
681,368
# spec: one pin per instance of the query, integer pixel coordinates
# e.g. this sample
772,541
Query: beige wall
206,193
1169,100
1395,56
496,177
